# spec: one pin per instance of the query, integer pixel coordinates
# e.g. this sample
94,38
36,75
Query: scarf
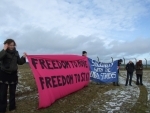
11,51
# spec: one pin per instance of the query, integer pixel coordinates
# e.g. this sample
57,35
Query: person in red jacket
139,72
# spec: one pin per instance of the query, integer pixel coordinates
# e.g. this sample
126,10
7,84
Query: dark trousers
116,83
3,97
129,75
139,76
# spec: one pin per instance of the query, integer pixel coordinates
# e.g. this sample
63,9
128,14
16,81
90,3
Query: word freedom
56,64
56,81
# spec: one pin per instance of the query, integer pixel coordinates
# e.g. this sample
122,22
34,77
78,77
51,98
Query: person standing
9,58
130,69
84,53
119,63
139,72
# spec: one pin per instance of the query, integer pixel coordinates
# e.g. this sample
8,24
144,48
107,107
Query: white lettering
98,69
108,75
100,64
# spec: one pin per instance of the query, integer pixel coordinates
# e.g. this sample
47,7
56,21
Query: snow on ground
146,82
31,96
121,96
22,86
121,99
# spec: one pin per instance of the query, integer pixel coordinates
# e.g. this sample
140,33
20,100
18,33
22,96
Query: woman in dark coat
139,72
9,58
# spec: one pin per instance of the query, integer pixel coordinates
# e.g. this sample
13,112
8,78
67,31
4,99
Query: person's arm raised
21,60
3,52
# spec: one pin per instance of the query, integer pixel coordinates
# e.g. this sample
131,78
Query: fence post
124,61
146,63
135,60
97,58
112,59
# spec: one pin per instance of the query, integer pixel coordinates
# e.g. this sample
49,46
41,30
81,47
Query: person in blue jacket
119,63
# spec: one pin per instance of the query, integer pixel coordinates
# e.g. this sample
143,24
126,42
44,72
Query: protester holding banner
84,53
119,63
130,69
9,58
139,72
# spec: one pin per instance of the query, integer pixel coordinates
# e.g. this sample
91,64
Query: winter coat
139,69
130,67
9,66
9,61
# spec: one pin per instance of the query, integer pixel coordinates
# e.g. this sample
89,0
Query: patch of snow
121,95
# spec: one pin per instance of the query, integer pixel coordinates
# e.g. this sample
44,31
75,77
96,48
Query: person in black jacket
9,58
130,69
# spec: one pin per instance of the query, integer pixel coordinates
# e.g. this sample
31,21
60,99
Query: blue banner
103,72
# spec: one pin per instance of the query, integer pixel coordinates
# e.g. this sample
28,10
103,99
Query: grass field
95,98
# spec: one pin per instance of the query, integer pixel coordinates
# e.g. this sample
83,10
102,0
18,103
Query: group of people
10,59
131,68
138,68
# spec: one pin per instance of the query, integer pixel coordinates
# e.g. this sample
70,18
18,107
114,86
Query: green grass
73,102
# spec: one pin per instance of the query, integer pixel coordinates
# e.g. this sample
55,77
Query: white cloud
70,26
72,18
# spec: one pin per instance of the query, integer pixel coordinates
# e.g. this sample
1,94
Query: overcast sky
104,28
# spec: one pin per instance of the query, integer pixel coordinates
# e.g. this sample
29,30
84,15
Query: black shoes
137,83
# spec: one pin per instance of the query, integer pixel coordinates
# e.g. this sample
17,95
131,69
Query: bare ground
96,98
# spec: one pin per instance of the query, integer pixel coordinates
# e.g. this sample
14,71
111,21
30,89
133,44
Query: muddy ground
96,98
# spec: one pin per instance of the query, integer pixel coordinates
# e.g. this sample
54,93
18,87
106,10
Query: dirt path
141,104
92,99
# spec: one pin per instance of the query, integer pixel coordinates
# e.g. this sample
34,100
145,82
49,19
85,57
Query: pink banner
58,75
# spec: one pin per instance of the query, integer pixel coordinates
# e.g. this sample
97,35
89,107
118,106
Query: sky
103,28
